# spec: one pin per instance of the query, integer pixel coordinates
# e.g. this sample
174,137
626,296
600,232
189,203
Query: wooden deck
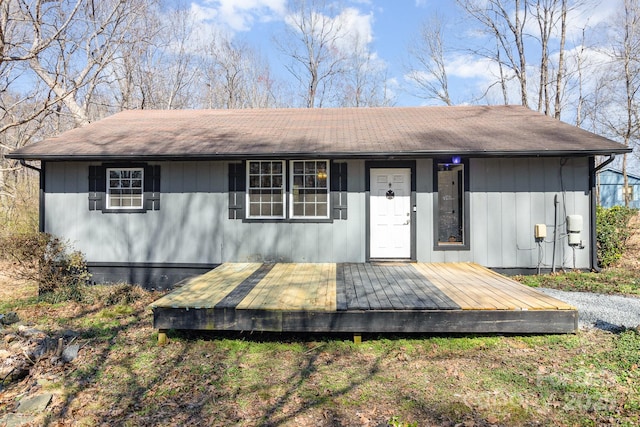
361,298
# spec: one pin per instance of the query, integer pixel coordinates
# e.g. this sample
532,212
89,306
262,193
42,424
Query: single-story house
610,184
154,196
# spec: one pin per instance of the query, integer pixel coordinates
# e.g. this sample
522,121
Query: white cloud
239,15
470,67
356,25
350,25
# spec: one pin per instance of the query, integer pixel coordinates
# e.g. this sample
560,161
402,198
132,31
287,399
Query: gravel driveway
606,312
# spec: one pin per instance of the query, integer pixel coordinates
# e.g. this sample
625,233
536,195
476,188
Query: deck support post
162,336
357,338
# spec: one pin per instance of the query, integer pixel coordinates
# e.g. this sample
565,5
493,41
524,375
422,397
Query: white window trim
328,192
108,188
282,191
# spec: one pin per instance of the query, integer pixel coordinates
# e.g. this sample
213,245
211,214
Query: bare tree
74,65
235,76
629,54
160,71
311,43
559,76
54,58
618,104
549,15
544,11
580,101
364,81
506,24
426,70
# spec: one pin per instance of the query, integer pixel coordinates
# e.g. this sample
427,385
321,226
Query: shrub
41,257
612,233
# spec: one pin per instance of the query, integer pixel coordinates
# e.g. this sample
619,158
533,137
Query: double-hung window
298,189
266,189
309,189
125,188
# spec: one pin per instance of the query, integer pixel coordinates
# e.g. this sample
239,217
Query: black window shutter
152,187
237,189
97,187
338,190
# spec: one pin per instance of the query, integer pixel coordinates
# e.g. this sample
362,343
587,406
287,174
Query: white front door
390,213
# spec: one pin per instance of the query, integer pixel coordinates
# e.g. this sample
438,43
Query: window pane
310,168
321,210
298,167
265,167
277,168
310,196
254,167
254,209
265,182
309,210
310,181
254,181
298,209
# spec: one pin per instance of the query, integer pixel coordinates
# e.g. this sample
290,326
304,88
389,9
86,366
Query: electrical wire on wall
563,163
559,239
540,254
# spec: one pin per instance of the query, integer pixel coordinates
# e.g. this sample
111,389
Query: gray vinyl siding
510,196
507,198
192,225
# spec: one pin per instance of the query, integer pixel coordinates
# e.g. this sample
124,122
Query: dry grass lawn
123,378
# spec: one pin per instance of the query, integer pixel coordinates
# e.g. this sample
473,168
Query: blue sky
388,26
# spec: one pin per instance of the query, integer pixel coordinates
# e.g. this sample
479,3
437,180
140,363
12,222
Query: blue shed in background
611,188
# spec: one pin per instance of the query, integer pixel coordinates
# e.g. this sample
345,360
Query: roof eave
329,155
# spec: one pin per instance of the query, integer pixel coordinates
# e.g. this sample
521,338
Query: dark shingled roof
336,133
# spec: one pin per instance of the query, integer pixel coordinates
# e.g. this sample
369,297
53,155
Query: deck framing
361,298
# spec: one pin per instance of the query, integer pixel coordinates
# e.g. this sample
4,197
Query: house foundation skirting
160,276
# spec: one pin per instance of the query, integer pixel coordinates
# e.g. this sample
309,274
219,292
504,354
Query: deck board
361,297
290,286
210,288
469,289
